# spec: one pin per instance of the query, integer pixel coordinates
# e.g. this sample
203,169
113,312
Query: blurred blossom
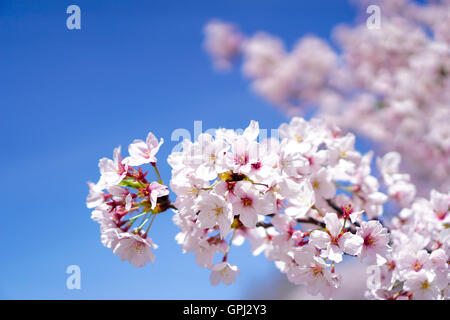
396,79
304,201
222,41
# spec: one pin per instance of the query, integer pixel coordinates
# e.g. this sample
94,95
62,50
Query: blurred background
68,97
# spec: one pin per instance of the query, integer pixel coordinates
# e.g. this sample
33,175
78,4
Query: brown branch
299,220
335,207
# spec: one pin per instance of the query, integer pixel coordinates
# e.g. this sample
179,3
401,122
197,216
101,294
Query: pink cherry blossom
223,41
223,272
215,210
321,182
395,78
96,196
335,240
112,171
304,202
422,285
142,152
134,248
376,238
249,203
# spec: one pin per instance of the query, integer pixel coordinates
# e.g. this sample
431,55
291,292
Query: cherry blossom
134,248
422,285
249,202
142,152
321,182
267,209
304,201
335,240
123,197
223,40
112,171
215,210
223,272
96,197
396,79
375,241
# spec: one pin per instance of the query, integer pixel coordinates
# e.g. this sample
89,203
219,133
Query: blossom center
347,210
417,266
441,215
121,169
242,159
425,285
218,211
391,265
246,202
369,241
256,165
317,271
195,191
223,272
334,241
139,247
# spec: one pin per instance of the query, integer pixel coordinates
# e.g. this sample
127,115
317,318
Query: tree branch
335,207
299,220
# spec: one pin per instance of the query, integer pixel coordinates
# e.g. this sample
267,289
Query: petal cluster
124,202
396,78
289,197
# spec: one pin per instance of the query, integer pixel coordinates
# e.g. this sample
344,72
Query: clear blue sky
68,97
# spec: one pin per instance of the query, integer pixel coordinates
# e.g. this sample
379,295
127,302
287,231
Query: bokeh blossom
395,79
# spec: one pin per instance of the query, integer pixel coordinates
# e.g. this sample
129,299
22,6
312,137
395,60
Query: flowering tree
395,77
309,198
304,200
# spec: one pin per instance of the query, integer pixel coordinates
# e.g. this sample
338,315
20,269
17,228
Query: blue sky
68,97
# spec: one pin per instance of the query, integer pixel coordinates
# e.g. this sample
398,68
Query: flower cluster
123,197
396,78
223,41
417,266
304,201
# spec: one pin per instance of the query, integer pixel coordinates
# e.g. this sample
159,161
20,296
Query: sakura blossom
422,285
125,203
248,203
307,202
223,41
135,248
409,270
215,210
375,241
223,272
144,152
394,79
112,171
391,86
334,240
